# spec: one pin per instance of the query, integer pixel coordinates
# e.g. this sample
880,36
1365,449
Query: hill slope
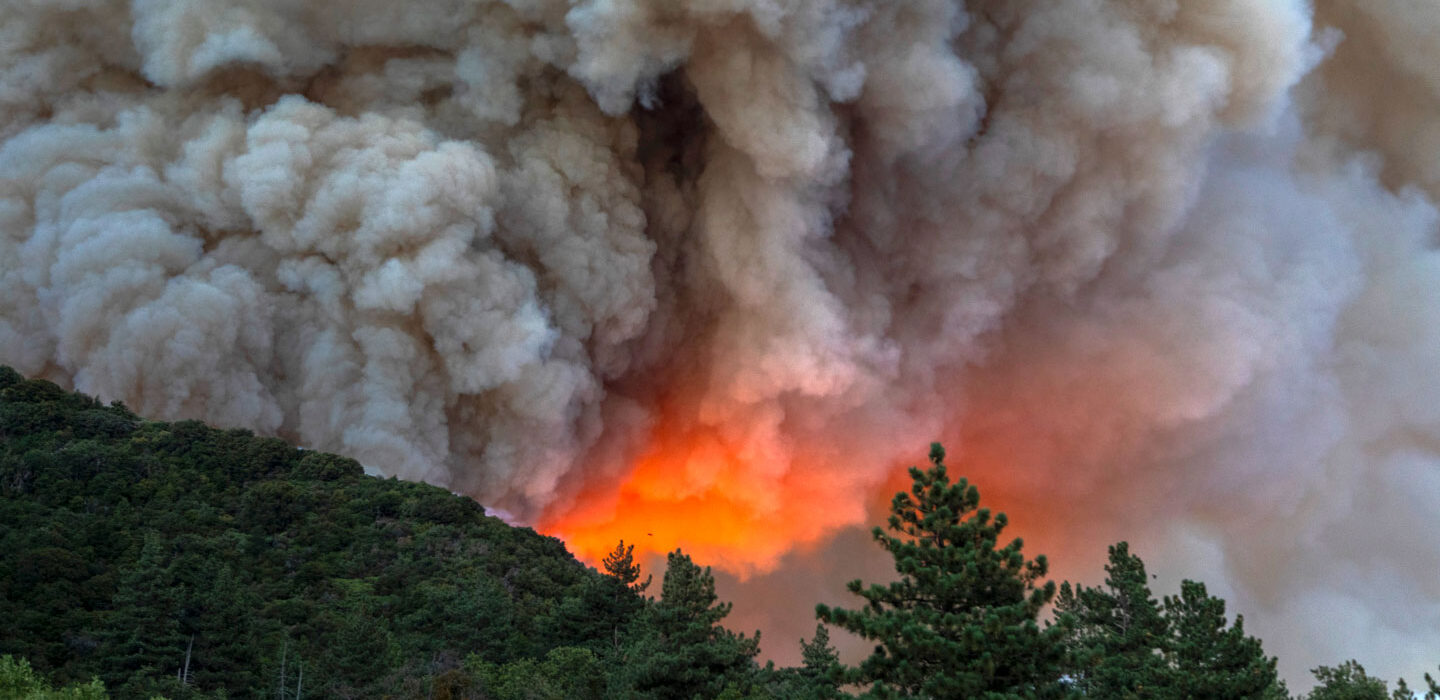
128,546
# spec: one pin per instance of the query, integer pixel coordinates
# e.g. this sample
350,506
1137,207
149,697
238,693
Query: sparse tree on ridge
620,564
961,621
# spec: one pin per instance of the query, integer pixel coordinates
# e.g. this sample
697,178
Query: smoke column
705,273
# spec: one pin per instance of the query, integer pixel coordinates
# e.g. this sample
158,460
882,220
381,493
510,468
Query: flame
740,509
695,492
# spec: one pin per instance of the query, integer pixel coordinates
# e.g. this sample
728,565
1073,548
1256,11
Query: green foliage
20,682
677,649
9,377
1211,659
961,621
1116,637
819,659
566,673
1121,643
1348,681
620,565
820,668
177,560
125,544
816,679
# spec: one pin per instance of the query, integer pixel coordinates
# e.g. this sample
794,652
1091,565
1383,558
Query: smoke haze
705,273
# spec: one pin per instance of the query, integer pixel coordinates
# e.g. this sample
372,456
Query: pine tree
1116,634
143,641
681,651
224,632
605,606
1121,643
1402,691
1348,681
620,565
961,621
820,666
1212,660
816,655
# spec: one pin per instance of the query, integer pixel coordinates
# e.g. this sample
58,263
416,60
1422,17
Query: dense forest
142,558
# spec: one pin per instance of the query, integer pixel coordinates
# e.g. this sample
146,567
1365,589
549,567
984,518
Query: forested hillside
180,560
176,559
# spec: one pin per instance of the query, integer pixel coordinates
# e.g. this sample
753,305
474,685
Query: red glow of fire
694,493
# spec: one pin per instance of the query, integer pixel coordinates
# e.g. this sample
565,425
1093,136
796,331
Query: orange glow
690,490
694,493
741,504
1002,490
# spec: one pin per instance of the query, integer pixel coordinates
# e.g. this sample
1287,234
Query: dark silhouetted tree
620,565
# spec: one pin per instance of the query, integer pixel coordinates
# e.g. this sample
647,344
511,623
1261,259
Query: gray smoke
1160,271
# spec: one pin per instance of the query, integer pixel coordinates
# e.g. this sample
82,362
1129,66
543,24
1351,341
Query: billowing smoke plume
704,272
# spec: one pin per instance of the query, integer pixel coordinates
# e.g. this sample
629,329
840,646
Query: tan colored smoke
1167,269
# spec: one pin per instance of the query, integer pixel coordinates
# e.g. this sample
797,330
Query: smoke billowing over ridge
618,267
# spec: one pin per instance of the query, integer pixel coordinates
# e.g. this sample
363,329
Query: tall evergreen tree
1116,634
142,638
680,650
1211,659
1121,643
820,667
961,621
817,657
621,566
223,628
606,604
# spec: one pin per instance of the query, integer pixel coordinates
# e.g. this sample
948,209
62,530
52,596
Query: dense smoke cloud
1155,270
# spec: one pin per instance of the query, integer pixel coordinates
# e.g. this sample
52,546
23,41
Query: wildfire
694,492
741,509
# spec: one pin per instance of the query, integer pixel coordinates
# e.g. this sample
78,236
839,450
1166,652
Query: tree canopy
1122,643
961,620
678,648
128,546
143,558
